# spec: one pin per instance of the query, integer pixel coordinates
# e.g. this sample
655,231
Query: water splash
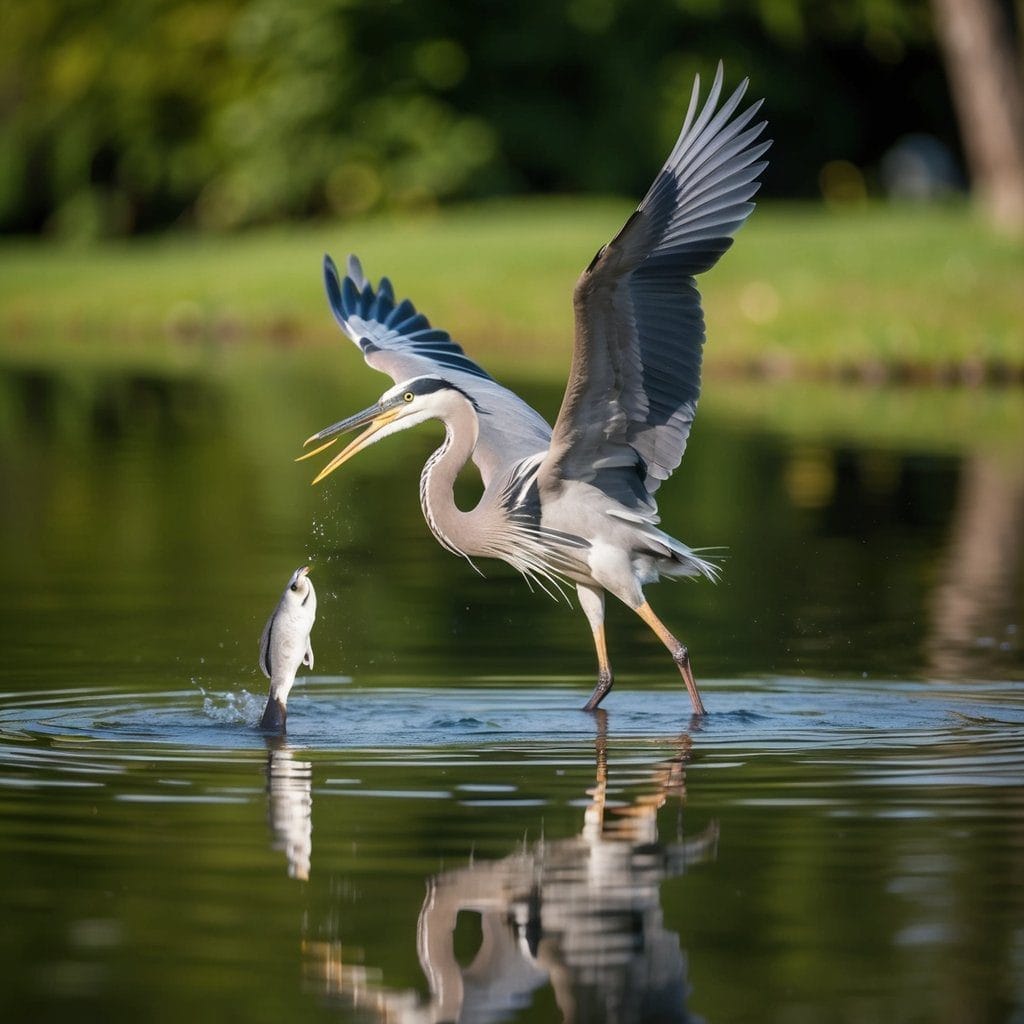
241,708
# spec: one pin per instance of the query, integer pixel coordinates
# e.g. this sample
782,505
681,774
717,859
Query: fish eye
408,396
294,586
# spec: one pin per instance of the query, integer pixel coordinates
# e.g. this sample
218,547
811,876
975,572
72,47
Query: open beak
377,418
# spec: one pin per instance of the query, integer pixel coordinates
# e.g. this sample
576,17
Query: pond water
444,835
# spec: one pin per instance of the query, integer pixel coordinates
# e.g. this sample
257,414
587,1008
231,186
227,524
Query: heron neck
453,528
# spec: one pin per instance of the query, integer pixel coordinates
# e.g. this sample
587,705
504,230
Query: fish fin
307,658
274,717
265,647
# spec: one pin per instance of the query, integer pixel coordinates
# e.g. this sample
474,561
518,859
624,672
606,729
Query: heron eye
408,396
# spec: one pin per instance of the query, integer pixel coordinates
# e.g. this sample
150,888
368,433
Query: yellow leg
602,652
604,670
679,654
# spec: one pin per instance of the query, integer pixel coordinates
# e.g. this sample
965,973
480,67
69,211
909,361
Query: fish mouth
377,417
301,573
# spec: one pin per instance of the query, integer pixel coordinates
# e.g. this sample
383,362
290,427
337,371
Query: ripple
96,729
175,798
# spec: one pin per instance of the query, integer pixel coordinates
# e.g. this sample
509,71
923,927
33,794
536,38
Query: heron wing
635,376
398,340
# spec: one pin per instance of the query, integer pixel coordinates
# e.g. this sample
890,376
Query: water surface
444,834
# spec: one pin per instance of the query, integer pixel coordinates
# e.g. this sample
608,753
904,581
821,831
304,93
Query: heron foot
605,680
681,656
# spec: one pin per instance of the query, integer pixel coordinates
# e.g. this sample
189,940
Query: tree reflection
582,915
977,597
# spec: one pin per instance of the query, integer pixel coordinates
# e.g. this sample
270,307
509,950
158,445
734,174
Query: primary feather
398,340
635,377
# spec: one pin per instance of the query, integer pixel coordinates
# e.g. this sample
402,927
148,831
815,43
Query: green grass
803,289
878,283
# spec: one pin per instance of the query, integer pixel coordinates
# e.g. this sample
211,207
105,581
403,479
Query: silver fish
285,645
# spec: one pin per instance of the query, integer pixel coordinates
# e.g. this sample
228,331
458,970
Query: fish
285,646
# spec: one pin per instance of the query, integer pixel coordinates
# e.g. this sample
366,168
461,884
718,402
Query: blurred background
125,117
235,140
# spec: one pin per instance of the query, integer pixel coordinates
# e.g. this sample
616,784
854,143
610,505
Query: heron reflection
582,915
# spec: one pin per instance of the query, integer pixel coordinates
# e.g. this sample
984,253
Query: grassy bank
874,290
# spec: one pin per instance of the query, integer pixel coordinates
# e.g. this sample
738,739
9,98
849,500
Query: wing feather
398,340
635,378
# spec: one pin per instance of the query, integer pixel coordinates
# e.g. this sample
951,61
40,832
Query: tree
988,94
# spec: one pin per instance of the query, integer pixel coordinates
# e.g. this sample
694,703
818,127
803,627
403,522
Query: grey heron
576,502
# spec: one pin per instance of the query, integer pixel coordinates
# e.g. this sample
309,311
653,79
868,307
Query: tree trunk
982,64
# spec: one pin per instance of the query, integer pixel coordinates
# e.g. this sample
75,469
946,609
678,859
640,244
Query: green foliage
124,115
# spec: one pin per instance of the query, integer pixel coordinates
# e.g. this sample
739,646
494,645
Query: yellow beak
374,416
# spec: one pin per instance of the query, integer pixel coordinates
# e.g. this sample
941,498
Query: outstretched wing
635,376
399,341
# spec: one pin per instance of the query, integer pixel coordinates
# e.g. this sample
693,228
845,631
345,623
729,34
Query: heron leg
680,655
592,603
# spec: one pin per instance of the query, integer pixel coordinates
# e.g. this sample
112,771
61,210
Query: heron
574,504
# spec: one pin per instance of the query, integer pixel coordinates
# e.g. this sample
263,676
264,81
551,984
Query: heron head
405,405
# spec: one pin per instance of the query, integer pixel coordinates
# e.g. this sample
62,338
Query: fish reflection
582,915
290,807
